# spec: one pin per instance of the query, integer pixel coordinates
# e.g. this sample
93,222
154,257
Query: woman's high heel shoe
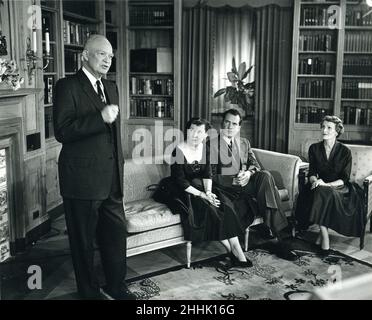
324,252
237,263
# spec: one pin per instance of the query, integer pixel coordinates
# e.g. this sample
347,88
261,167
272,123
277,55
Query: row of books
318,16
358,18
151,108
356,116
358,67
315,66
314,16
75,33
151,86
72,60
321,88
48,89
317,42
151,16
310,114
356,90
358,41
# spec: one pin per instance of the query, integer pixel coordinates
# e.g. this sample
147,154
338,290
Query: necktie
234,153
100,92
229,148
230,145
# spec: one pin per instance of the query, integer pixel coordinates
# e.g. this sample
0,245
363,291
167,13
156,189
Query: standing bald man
87,123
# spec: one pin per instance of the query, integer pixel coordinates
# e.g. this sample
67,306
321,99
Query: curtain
235,37
198,30
273,75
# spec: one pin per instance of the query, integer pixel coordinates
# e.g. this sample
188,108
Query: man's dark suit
91,181
261,186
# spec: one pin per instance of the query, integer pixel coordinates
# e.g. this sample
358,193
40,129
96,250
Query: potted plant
240,92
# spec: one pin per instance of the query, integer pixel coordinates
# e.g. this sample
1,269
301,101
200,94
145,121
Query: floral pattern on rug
270,278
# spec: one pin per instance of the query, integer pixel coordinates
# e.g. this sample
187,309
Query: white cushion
144,215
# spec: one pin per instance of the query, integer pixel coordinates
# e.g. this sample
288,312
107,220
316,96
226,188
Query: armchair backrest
283,167
362,162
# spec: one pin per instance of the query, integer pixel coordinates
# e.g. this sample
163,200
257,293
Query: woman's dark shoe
324,252
237,263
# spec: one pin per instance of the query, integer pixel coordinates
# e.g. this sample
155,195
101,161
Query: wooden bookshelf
152,69
331,71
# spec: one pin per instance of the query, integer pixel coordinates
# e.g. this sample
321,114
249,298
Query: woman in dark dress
329,199
210,216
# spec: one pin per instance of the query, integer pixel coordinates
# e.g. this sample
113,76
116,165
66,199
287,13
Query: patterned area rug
270,278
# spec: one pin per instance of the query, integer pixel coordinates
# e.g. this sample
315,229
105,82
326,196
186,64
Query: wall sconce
31,58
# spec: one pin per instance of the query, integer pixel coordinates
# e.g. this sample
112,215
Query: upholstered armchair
361,173
285,171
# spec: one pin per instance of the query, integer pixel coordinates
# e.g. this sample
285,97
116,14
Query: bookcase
152,70
356,96
65,27
331,70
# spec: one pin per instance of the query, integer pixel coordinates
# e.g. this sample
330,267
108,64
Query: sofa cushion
144,215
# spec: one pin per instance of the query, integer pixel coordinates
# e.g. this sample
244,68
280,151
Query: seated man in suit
237,171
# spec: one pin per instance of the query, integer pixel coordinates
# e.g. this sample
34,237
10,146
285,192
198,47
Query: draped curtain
206,53
273,73
235,37
198,30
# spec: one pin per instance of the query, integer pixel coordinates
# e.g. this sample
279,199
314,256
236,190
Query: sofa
152,225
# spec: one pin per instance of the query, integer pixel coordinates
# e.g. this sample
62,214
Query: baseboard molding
56,212
37,232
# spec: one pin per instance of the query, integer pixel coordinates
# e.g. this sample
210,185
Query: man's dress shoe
283,252
123,294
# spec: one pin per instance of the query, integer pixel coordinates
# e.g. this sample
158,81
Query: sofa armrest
302,175
283,167
368,179
367,184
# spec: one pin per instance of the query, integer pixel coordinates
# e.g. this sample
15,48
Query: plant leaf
234,66
247,72
241,100
242,68
232,76
227,97
219,92
250,85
